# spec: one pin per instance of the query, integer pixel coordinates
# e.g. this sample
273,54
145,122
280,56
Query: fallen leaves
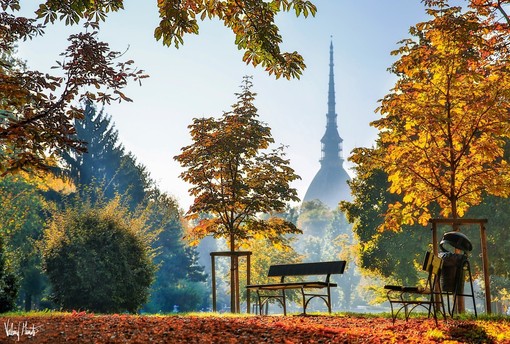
81,327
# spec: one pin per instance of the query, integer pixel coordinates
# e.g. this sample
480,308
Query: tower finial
331,92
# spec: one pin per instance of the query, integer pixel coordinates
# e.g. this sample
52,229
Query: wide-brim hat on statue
457,240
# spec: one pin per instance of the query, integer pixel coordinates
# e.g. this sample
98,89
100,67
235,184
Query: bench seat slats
408,289
291,285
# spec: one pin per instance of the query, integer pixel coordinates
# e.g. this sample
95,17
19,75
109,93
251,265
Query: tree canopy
37,110
105,163
445,123
252,22
234,177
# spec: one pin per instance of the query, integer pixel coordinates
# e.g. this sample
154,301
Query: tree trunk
453,202
28,302
461,303
233,271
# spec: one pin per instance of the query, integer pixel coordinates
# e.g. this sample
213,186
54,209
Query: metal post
248,276
213,277
434,238
485,260
238,307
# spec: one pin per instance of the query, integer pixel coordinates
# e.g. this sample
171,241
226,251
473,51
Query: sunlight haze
201,77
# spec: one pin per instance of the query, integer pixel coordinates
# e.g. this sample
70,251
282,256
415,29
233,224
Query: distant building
330,184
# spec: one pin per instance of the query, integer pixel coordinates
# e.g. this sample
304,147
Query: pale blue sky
201,77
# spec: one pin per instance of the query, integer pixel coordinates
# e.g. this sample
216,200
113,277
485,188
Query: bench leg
260,302
304,300
324,297
391,301
263,300
329,299
284,302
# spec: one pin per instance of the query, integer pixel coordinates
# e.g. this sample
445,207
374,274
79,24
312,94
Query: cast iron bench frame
266,292
411,297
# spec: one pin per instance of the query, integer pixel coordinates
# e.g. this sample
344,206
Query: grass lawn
53,327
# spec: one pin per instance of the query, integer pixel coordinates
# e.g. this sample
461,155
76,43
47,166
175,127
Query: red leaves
81,327
81,314
37,115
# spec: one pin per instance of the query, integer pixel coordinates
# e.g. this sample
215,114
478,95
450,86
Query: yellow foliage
445,125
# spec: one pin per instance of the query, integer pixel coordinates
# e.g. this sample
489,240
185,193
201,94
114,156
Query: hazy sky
200,78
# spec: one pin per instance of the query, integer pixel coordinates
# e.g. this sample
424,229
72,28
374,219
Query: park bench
309,288
411,297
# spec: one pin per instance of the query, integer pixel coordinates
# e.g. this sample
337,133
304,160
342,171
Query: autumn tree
445,123
495,9
37,110
252,22
235,177
393,255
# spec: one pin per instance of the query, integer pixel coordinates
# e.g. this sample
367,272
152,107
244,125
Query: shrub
98,259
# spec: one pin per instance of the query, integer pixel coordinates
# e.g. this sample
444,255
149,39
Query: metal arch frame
483,243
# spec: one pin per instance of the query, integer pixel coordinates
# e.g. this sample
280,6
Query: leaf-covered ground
89,328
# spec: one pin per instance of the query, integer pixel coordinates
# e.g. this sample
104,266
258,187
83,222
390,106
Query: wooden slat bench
266,292
411,297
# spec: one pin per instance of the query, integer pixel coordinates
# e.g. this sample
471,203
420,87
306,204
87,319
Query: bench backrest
305,269
433,265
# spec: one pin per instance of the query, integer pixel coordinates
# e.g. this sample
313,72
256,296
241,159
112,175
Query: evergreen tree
103,148
179,279
105,163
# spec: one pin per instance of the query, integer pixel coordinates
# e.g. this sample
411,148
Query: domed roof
329,186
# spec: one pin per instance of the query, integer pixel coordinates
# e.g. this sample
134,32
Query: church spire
331,141
331,93
330,184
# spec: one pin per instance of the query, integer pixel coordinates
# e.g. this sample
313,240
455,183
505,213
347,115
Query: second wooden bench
266,292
